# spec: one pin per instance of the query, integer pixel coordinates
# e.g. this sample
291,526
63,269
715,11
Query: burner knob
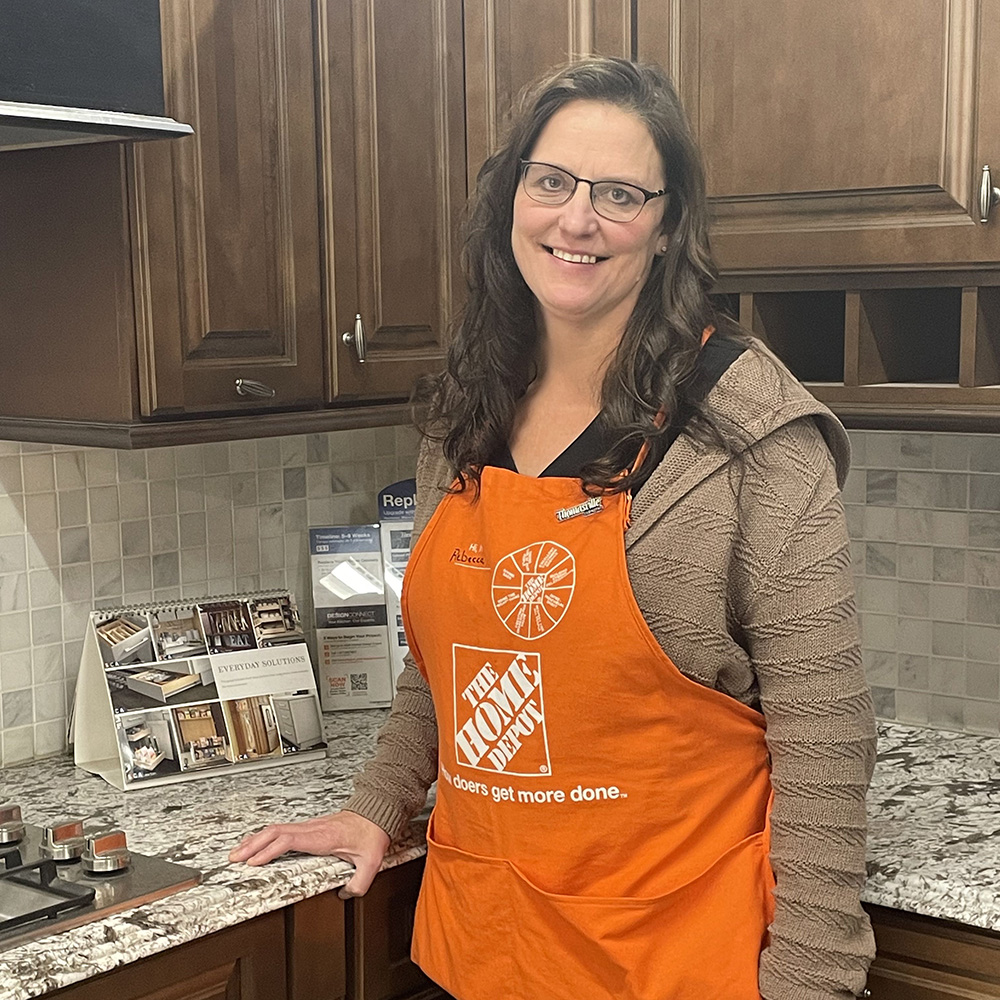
11,827
63,841
106,853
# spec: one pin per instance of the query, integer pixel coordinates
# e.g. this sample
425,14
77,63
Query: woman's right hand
343,835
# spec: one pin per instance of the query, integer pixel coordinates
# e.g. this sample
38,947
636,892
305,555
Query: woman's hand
343,835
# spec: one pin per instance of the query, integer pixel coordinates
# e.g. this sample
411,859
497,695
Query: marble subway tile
166,570
948,602
13,554
74,545
10,474
218,492
163,497
269,453
912,706
17,708
46,626
18,745
190,494
294,482
243,487
983,568
914,562
135,538
163,533
881,667
982,680
47,662
15,631
914,672
878,632
215,457
984,453
187,458
317,449
49,738
880,559
161,464
884,700
50,701
102,469
947,676
108,583
40,512
950,451
38,473
133,500
982,642
950,528
15,670
293,451
984,605
981,717
242,456
132,466
914,599
880,487
946,711
77,583
192,529
43,549
71,471
915,451
12,514
933,490
984,492
193,566
13,592
105,541
880,524
103,504
913,636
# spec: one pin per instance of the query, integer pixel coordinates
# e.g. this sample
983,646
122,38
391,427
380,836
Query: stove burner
63,875
11,827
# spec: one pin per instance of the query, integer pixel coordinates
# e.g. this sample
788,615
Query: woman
636,672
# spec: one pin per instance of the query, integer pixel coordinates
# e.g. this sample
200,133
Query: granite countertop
933,843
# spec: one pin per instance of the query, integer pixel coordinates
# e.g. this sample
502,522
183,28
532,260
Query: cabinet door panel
511,42
225,222
838,135
393,156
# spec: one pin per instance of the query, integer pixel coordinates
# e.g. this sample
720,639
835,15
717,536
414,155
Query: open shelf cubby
981,336
907,335
805,329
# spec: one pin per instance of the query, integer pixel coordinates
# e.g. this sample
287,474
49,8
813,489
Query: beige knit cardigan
741,568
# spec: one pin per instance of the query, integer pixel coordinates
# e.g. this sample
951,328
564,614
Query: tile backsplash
81,527
923,512
86,527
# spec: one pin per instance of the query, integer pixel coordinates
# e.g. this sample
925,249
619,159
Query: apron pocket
489,933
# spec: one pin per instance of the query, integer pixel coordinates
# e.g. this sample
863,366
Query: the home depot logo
499,711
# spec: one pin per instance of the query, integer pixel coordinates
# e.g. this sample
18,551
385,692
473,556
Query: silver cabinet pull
988,195
248,387
357,338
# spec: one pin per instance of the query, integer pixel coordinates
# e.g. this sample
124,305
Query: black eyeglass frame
647,196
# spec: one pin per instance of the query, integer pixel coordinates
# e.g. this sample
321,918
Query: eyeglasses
613,200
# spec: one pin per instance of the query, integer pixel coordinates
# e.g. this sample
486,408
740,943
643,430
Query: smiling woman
646,711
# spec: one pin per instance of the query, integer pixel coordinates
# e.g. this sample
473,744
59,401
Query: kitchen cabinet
245,962
392,154
508,43
839,136
844,148
223,224
919,958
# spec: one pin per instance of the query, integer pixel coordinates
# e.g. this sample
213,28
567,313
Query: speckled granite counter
193,823
934,845
934,825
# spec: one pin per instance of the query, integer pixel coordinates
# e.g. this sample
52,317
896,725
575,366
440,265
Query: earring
663,249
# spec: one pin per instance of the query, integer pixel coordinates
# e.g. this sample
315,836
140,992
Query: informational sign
349,598
396,504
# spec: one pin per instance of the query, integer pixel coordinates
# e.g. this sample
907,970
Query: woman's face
602,142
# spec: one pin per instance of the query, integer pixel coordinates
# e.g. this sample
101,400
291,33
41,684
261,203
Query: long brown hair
491,356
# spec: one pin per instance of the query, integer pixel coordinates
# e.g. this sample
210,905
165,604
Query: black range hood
75,71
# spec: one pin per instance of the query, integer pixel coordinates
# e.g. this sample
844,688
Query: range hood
74,71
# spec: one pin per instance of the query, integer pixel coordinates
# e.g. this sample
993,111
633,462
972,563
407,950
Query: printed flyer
169,692
396,504
349,598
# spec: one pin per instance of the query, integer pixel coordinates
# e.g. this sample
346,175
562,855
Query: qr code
359,682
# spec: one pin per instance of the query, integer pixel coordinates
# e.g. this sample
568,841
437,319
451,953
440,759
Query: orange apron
601,827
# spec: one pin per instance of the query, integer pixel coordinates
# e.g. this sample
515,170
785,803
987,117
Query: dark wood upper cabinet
836,136
508,43
392,149
225,248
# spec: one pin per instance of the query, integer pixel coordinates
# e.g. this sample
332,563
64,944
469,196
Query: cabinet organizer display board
173,691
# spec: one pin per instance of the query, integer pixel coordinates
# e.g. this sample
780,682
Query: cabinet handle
357,338
988,195
248,387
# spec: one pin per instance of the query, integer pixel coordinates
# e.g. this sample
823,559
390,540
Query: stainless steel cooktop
71,872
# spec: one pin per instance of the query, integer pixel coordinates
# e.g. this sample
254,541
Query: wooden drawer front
246,962
923,959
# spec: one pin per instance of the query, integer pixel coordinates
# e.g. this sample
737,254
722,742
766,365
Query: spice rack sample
276,621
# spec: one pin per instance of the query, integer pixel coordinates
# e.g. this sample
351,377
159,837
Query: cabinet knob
248,387
357,338
988,195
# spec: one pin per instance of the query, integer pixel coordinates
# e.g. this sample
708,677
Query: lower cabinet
245,962
919,958
321,948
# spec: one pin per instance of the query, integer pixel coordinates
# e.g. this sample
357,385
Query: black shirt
596,439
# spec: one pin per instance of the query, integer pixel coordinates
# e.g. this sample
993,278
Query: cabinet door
379,931
393,176
225,223
509,43
839,135
246,962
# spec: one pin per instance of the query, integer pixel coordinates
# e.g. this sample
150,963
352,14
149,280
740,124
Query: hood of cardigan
754,397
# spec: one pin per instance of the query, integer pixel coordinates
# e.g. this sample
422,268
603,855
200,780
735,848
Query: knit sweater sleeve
392,787
800,627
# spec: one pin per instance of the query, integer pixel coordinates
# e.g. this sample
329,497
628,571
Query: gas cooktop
68,873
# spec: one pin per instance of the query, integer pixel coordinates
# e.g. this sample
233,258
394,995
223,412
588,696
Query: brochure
349,598
396,504
169,692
